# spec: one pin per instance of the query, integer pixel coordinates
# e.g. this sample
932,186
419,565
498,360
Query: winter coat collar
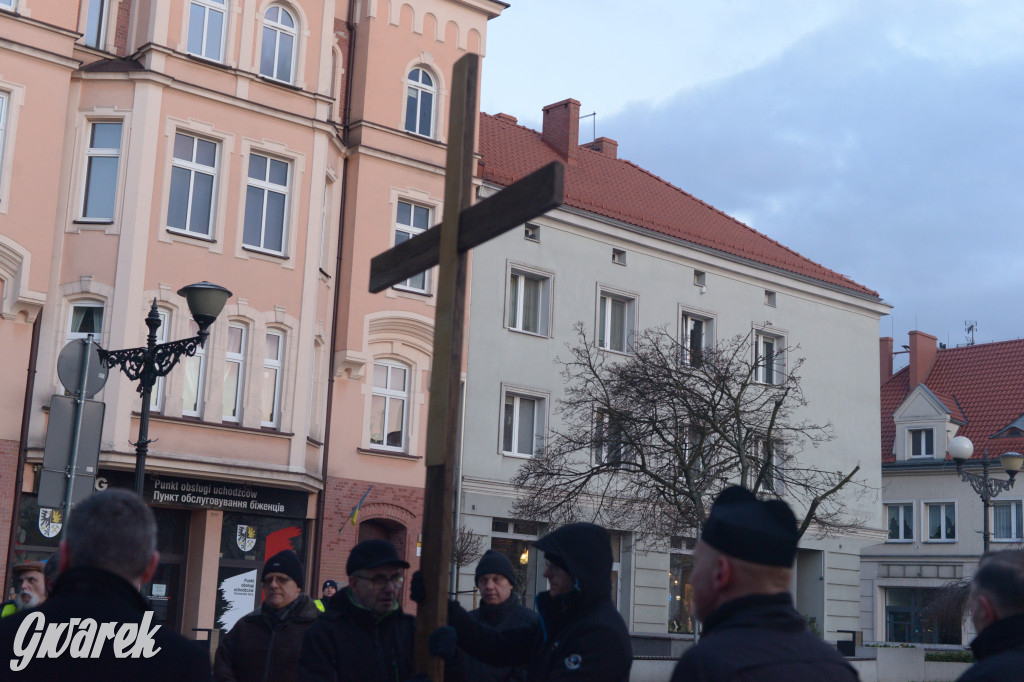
302,610
101,584
998,637
493,614
771,611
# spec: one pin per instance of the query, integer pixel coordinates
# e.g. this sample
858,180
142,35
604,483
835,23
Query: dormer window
922,442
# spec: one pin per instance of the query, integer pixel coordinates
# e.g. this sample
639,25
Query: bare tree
647,441
467,548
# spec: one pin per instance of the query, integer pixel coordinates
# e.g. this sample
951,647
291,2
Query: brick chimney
885,357
604,145
923,348
562,128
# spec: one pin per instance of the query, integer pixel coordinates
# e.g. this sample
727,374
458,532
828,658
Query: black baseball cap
371,554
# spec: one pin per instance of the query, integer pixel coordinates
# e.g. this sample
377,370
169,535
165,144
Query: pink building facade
272,148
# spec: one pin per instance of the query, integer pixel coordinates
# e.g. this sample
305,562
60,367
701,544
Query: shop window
909,618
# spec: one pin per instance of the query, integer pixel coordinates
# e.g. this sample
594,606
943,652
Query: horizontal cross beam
534,195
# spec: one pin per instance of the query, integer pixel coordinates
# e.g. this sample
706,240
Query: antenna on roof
592,115
970,326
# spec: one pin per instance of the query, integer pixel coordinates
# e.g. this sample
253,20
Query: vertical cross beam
446,368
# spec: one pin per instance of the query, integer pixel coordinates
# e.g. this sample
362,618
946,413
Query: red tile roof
986,380
621,190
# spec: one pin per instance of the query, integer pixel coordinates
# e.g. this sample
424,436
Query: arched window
389,407
206,27
419,103
277,58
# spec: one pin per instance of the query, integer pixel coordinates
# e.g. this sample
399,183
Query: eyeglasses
279,579
380,580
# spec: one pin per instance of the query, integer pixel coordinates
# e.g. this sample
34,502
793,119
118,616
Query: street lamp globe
205,302
961,448
1011,462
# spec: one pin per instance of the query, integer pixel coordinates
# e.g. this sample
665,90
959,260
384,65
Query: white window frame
926,506
924,441
420,89
605,300
1016,520
200,360
901,520
265,185
390,395
100,152
602,421
539,420
515,318
101,24
686,319
208,7
72,336
275,365
278,28
192,167
5,105
412,231
9,5
773,374
237,359
156,397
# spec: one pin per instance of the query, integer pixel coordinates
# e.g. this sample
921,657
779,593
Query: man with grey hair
997,610
96,625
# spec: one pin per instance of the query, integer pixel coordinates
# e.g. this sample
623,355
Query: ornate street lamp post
145,365
961,449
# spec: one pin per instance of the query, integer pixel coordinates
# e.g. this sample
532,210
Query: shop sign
198,493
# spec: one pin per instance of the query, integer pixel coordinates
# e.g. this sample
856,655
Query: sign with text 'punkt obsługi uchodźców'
199,493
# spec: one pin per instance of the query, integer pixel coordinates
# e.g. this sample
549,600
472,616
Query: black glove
417,590
443,643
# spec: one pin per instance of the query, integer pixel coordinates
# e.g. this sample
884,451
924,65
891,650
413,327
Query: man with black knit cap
496,580
580,635
743,567
363,636
264,646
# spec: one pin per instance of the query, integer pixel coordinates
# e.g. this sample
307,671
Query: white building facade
700,274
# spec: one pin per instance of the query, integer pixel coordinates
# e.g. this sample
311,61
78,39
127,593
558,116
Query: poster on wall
236,597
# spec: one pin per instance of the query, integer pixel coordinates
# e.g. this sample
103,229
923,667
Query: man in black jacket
363,636
997,609
741,576
580,636
108,553
496,580
264,645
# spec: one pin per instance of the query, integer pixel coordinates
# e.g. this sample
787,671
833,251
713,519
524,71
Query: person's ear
984,612
150,571
724,573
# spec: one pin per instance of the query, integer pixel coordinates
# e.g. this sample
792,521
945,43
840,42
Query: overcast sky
881,139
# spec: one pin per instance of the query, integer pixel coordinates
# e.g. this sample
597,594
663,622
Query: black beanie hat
286,562
371,554
494,561
744,527
329,583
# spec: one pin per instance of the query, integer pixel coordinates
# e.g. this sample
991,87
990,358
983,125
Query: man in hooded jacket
580,636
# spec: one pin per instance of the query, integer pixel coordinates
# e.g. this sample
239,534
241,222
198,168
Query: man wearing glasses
264,646
364,636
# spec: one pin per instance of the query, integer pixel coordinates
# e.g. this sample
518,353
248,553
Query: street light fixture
961,449
145,365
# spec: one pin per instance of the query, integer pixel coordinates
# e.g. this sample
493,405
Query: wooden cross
463,227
